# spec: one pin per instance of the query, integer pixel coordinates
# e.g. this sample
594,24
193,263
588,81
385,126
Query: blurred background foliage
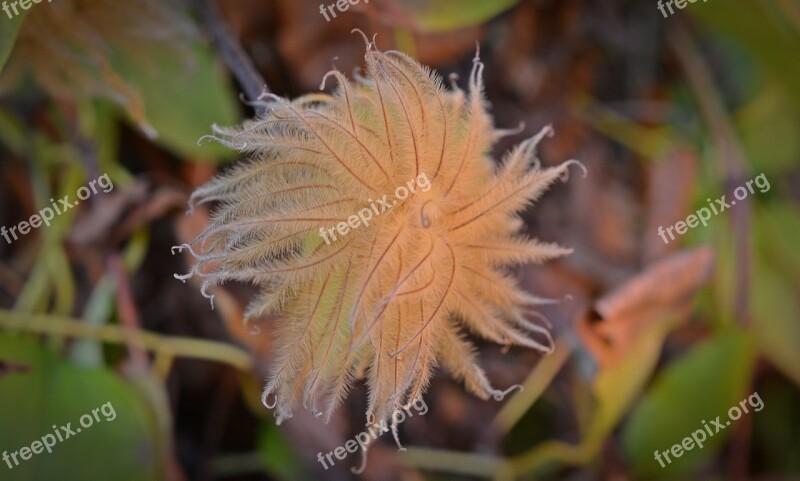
653,338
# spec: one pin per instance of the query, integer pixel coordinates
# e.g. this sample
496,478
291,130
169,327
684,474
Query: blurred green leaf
776,269
445,15
769,132
8,35
727,270
757,27
650,142
776,319
278,460
701,385
777,229
43,390
12,132
184,93
615,389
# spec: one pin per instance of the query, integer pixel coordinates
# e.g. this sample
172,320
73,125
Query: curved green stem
472,464
177,346
536,383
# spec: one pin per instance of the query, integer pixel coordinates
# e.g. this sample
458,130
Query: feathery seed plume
393,297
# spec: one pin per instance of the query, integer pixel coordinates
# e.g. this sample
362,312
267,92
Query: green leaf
777,230
727,270
12,132
278,460
776,273
757,27
768,127
8,35
776,319
41,390
700,386
445,15
615,389
184,93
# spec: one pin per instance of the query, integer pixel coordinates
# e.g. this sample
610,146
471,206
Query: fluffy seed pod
379,231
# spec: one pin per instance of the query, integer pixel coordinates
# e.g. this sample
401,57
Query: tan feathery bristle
388,300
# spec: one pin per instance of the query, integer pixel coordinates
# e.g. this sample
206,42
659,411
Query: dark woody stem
233,54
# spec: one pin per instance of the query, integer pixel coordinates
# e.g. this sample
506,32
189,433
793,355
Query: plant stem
233,54
177,346
534,386
453,462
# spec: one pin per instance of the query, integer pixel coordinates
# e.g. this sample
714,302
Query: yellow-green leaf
8,35
39,390
700,386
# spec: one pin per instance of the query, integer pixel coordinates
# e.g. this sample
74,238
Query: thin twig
233,54
730,154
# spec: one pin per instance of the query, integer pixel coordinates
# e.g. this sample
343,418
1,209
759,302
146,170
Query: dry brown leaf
664,288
